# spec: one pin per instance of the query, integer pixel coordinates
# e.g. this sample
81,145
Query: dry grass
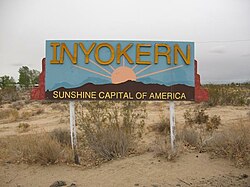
23,127
10,114
25,115
15,114
39,111
58,106
62,136
110,143
17,105
163,149
248,114
37,148
190,137
2,129
233,143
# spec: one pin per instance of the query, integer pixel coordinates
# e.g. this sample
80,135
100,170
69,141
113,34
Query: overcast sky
219,28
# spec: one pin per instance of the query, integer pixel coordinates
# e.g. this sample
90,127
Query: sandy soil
191,169
45,122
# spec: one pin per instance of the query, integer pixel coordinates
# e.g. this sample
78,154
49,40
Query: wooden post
73,131
172,124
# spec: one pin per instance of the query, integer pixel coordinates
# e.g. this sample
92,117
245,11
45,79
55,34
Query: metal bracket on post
172,124
73,131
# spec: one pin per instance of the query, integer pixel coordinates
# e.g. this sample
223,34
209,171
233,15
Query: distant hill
148,80
93,80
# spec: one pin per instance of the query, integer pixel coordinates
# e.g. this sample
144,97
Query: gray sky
219,28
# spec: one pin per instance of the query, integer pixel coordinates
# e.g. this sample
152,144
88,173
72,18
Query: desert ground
191,168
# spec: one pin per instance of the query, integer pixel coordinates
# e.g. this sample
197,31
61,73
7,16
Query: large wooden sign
119,70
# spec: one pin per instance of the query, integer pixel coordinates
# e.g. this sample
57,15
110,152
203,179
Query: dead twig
184,182
12,179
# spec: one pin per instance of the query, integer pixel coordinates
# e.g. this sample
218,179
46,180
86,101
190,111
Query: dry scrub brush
9,114
35,148
62,136
23,127
190,137
8,95
199,127
18,105
233,143
110,128
59,106
236,95
110,142
13,114
163,148
163,126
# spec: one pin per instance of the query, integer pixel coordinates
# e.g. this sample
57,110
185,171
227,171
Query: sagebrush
111,128
199,127
233,143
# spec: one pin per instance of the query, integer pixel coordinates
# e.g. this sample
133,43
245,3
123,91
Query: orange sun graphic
122,74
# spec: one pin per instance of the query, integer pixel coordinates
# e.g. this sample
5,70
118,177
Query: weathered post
73,131
172,124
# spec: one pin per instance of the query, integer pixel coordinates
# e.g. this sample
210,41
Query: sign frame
119,70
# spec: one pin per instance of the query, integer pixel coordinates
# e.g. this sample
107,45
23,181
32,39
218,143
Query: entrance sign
119,70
